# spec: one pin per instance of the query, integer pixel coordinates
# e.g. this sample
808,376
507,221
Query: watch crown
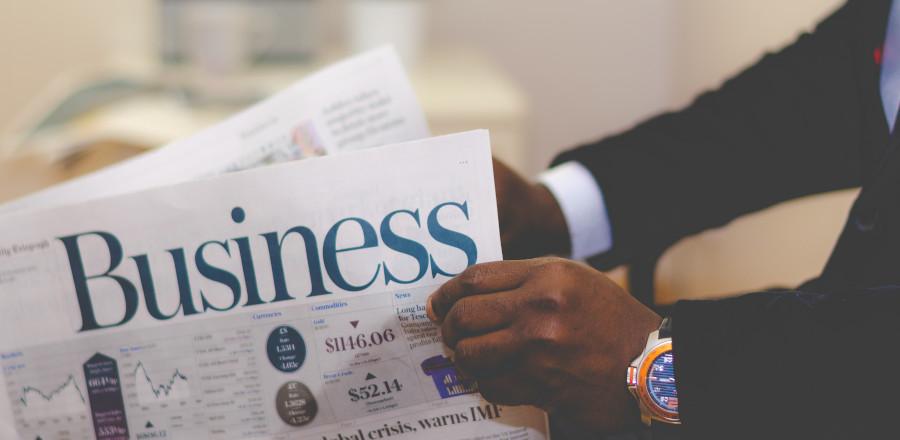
631,376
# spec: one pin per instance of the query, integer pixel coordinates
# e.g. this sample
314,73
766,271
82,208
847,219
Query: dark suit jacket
820,362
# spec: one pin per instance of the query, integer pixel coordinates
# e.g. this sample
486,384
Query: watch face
661,382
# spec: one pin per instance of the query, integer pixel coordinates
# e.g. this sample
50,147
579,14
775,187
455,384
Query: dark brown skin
547,332
531,222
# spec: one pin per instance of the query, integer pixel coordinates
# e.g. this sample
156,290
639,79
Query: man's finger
479,314
476,280
487,356
512,388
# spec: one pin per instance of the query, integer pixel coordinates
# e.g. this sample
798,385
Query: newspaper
284,302
360,102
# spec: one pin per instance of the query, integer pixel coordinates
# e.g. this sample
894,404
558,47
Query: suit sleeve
798,122
789,365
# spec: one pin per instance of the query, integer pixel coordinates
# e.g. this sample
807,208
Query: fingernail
430,310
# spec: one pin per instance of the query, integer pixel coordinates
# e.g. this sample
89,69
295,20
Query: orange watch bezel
643,394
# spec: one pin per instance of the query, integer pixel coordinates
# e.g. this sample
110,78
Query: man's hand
531,222
547,332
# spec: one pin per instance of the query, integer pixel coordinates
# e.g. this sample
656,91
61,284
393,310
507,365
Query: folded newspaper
284,302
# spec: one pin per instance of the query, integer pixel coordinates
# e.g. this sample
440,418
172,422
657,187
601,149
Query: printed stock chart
257,374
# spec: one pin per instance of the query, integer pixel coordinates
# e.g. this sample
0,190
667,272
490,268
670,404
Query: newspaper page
285,302
357,103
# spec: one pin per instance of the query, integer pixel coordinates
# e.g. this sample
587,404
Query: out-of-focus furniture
458,89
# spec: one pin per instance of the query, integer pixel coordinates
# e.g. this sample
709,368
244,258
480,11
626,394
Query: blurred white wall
716,39
42,39
590,67
594,67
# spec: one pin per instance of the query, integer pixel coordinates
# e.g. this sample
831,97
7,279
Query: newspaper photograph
360,102
283,302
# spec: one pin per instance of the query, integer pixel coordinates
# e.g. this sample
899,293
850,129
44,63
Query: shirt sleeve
581,200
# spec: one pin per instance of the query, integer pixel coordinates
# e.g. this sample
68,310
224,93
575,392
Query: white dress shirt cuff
581,200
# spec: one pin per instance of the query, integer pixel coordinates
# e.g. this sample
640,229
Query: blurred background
542,75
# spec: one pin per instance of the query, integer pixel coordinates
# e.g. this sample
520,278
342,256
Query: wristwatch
651,378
